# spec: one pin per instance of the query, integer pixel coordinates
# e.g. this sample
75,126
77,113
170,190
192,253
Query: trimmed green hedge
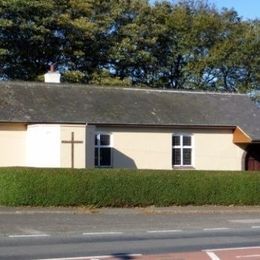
126,188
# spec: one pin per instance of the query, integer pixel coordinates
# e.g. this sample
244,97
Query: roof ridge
181,91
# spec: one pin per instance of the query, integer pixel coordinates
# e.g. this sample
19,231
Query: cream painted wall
151,148
40,146
216,151
140,148
13,145
43,145
79,149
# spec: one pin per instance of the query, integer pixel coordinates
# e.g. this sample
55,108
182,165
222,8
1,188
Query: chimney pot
52,68
52,76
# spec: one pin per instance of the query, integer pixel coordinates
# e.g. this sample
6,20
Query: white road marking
30,235
164,231
216,229
248,256
101,233
212,255
231,248
79,258
245,221
91,257
255,227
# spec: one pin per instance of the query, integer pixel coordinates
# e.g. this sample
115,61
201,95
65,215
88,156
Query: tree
231,62
25,38
189,45
70,33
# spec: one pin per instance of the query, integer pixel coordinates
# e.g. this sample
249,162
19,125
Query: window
181,150
103,150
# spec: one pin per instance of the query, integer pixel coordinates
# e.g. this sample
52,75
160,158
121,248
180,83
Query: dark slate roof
65,103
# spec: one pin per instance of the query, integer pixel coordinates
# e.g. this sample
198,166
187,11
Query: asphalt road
54,233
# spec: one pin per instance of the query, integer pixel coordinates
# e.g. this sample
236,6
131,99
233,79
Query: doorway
253,158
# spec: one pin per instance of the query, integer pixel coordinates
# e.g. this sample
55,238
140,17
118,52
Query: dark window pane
96,139
186,156
105,156
96,156
104,140
187,140
176,156
175,140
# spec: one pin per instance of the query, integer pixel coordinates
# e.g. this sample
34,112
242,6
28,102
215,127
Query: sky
248,9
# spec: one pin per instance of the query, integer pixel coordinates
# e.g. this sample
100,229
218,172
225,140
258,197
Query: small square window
181,150
103,150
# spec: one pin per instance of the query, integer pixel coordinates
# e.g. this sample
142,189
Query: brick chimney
52,76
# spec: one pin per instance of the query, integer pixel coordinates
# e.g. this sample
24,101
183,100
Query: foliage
75,76
189,45
255,96
104,78
126,188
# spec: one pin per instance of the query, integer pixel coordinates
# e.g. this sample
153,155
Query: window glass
176,140
176,156
104,139
186,156
96,156
186,140
105,156
96,139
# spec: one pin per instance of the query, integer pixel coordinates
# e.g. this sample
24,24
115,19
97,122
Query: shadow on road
122,256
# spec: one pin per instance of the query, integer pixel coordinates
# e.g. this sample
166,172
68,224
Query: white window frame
99,146
182,147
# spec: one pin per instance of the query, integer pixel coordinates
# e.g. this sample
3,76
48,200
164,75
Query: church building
80,126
